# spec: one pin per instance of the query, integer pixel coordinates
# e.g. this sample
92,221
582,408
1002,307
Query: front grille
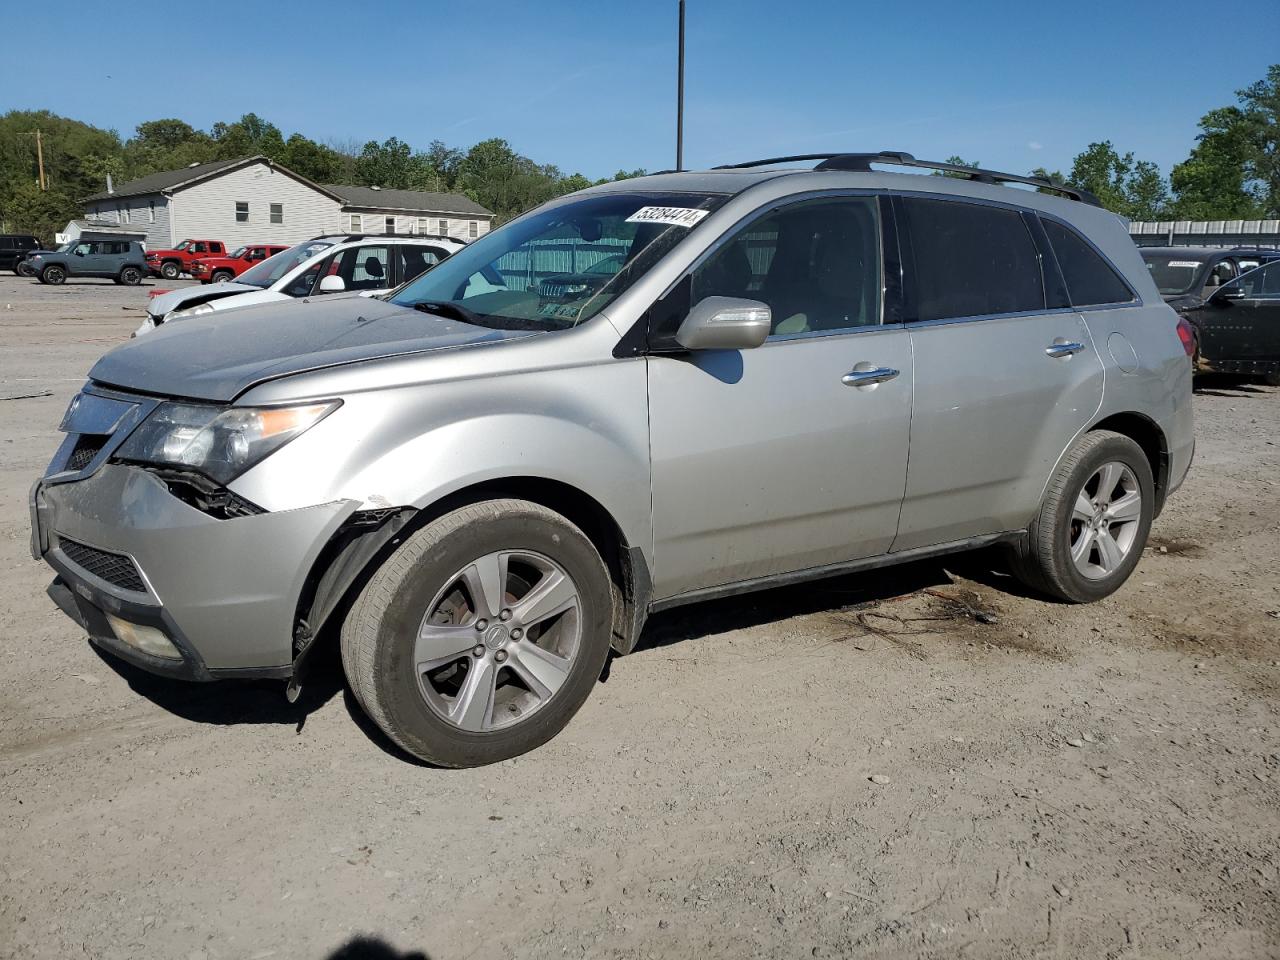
117,569
85,450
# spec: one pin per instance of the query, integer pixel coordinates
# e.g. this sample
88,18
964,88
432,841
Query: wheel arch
363,544
1148,435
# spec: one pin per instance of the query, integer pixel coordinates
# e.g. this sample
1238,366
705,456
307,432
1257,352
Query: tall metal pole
680,97
44,184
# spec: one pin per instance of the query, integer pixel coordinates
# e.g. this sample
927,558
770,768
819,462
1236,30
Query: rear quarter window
1091,281
971,260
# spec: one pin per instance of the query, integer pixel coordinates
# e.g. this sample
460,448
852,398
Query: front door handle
868,378
1061,348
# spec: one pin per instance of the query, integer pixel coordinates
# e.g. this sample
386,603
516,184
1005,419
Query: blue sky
591,86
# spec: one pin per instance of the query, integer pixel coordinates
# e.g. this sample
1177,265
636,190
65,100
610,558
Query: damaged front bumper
223,592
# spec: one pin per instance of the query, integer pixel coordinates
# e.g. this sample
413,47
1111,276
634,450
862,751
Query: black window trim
1135,298
909,267
889,251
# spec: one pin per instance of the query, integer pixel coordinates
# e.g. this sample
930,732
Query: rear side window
971,260
1091,281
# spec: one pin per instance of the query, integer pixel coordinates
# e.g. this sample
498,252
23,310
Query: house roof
105,226
168,179
417,201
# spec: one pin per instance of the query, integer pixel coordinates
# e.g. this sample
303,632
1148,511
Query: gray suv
120,260
480,483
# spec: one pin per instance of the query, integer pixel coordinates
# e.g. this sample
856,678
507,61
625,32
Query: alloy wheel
1105,520
498,641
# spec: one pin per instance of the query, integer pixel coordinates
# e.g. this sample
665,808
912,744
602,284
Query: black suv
120,260
14,247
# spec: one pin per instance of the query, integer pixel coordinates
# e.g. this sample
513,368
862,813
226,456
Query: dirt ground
922,763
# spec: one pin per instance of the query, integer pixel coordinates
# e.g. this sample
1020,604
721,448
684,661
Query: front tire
170,270
481,637
53,275
1093,522
221,276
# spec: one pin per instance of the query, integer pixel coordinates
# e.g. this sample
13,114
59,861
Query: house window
277,213
444,228
390,224
151,210
357,224
422,227
242,211
124,214
473,230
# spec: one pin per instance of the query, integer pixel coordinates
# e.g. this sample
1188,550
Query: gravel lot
857,767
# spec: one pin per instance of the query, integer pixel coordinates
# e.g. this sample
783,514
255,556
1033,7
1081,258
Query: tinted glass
415,260
1174,274
816,264
1090,279
1263,282
972,260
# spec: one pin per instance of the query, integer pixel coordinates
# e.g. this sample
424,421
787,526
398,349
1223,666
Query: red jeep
170,263
215,269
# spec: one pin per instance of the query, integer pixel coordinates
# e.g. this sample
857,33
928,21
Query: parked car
118,260
476,491
14,248
221,269
324,265
1237,325
1234,323
171,264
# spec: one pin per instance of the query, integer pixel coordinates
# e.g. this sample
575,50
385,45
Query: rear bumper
223,592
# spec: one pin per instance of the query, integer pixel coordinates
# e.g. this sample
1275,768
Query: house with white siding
253,200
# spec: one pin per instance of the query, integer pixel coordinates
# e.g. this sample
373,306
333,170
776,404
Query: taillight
1187,335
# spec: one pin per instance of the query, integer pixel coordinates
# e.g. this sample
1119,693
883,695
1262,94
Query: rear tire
130,276
423,633
170,270
1093,521
53,275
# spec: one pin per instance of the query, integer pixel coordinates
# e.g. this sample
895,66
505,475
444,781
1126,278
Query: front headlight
220,442
195,311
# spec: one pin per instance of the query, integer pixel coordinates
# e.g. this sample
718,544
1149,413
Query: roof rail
352,237
863,161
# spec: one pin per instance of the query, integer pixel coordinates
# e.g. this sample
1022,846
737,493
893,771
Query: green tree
956,162
388,164
1129,187
1233,171
315,161
249,136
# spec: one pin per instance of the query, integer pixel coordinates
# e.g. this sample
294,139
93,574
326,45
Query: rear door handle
1063,348
867,378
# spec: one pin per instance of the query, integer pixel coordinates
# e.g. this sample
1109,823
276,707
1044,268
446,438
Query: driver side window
815,263
1263,283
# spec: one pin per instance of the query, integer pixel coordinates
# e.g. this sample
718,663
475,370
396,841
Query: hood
190,296
219,356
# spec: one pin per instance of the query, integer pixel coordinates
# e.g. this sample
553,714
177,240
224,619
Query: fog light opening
146,639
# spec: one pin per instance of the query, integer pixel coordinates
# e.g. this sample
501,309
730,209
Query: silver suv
481,482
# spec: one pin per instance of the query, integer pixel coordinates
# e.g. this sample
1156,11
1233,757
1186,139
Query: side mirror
1231,291
725,323
332,284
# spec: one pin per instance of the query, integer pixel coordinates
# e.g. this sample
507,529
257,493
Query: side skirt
832,570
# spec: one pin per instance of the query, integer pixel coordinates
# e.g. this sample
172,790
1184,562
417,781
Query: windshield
1173,274
536,272
183,245
237,253
273,268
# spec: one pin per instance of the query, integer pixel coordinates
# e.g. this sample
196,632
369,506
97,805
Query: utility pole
680,97
44,183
